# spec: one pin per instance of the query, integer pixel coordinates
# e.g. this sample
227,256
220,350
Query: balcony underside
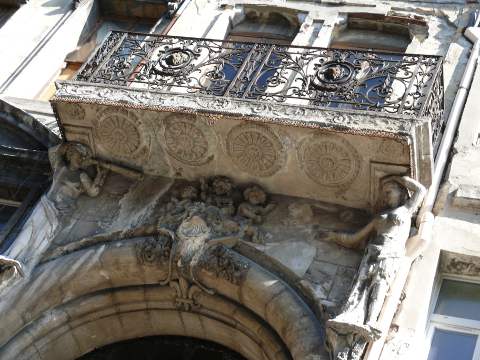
331,155
316,123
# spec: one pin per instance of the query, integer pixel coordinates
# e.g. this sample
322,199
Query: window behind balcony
455,322
371,32
265,26
379,45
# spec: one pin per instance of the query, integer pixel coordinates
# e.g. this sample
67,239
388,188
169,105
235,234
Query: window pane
449,345
459,299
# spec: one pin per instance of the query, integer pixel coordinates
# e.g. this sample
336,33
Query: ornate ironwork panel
330,78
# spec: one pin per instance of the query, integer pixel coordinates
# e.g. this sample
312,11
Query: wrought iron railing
402,84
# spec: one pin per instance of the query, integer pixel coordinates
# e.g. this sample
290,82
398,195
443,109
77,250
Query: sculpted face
75,160
189,193
222,186
255,195
392,195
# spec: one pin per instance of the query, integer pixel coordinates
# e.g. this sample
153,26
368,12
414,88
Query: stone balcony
316,123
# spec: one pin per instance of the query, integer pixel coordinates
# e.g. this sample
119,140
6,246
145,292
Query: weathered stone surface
296,256
286,142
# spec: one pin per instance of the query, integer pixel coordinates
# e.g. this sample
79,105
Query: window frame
450,323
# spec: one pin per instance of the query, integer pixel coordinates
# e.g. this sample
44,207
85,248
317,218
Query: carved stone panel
121,133
188,140
329,160
256,149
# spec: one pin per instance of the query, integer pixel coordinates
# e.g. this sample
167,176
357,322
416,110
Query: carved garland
256,149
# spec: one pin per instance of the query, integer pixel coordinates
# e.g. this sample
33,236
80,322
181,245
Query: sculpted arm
92,188
417,190
353,240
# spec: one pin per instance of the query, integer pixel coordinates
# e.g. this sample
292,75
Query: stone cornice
336,120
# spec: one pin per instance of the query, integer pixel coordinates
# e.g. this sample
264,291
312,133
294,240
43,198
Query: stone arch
106,291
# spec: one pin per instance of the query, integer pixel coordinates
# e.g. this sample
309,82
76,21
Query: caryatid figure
387,236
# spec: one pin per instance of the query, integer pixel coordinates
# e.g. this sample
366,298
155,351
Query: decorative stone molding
459,264
359,122
186,292
226,264
255,149
154,250
329,160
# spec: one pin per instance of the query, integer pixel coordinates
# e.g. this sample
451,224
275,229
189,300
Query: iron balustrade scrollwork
404,84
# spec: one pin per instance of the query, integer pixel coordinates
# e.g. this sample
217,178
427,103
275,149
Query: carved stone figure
190,246
76,172
70,162
255,207
387,235
219,193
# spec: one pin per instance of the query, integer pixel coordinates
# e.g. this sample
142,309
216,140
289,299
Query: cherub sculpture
190,242
70,162
218,193
387,236
254,207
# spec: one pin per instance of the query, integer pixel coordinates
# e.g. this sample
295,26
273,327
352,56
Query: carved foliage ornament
188,140
329,160
154,250
256,149
120,133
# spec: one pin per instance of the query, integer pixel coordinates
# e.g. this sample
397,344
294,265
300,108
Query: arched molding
110,316
45,311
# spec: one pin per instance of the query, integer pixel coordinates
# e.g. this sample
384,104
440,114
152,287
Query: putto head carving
77,155
255,195
189,192
222,185
173,61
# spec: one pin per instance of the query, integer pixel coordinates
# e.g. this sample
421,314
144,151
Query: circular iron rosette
174,61
333,76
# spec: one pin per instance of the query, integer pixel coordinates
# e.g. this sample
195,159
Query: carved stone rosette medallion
120,133
188,139
329,160
256,149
